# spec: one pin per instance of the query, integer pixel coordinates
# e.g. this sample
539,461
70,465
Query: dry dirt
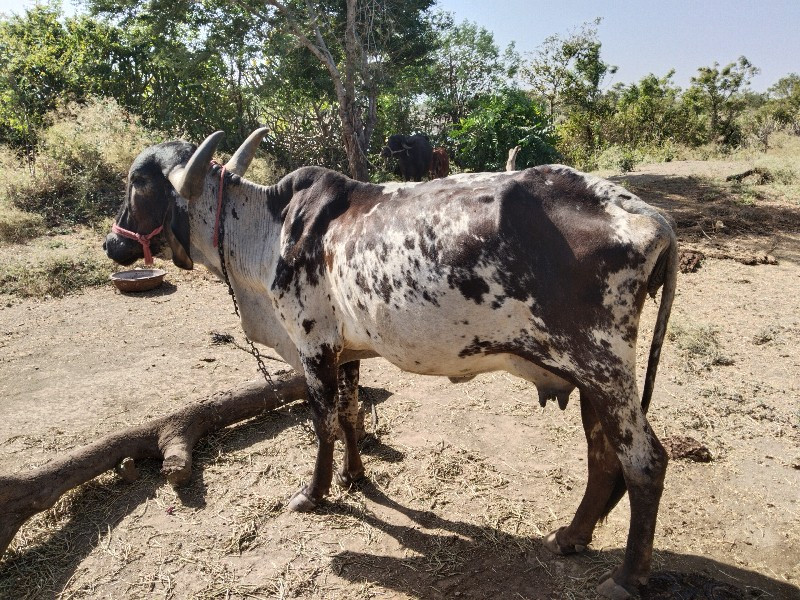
463,479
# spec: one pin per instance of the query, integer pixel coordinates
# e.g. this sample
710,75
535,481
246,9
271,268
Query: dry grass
700,343
53,266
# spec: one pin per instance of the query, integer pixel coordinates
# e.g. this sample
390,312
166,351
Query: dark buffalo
542,273
413,154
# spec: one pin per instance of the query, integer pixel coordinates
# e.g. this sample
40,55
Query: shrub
618,158
79,171
17,226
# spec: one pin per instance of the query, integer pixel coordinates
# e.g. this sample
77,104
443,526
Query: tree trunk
171,437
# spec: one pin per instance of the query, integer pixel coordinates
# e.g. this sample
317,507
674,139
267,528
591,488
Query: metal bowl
138,280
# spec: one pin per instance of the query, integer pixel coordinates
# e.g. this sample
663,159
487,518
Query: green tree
651,112
361,44
567,75
35,71
720,94
468,64
784,101
499,122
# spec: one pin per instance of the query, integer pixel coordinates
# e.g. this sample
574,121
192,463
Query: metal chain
253,350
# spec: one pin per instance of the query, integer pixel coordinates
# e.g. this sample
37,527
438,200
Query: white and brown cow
542,273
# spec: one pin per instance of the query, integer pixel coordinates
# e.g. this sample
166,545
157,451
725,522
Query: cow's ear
177,234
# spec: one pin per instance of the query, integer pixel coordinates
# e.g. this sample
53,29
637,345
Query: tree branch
171,437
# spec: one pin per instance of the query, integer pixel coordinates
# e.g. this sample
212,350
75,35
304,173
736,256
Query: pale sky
640,36
654,36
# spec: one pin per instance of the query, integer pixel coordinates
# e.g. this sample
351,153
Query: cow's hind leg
644,464
321,380
604,488
348,414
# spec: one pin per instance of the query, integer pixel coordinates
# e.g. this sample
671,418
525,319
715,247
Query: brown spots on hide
428,298
308,325
384,288
363,284
471,287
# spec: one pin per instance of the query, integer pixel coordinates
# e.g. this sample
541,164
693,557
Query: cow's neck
246,218
250,245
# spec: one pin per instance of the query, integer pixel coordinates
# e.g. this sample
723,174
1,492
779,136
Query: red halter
144,240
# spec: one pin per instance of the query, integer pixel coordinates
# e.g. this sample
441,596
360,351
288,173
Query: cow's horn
242,158
188,181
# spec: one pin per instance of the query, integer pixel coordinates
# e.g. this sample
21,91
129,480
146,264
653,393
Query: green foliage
79,171
618,158
498,123
468,64
719,93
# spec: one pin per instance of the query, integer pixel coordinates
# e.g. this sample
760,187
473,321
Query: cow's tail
665,273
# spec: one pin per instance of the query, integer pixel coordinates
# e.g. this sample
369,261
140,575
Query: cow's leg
604,487
644,464
348,414
321,380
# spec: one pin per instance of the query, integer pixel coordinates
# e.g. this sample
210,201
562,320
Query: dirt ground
463,480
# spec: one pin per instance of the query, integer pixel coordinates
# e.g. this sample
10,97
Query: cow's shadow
447,559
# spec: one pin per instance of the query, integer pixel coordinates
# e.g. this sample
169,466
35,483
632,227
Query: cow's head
158,177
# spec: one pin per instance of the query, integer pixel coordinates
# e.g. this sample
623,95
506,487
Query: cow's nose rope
144,240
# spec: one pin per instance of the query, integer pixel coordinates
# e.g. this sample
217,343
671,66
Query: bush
497,124
618,158
79,171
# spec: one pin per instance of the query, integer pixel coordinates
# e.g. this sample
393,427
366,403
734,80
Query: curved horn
242,158
188,181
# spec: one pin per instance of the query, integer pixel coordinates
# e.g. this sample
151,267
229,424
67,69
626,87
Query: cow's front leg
348,413
321,381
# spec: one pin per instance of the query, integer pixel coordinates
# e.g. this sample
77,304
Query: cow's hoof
551,543
346,480
608,588
301,502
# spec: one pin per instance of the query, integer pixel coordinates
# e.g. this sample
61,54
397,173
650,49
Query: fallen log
764,175
171,438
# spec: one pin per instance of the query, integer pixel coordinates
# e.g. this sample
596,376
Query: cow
440,163
542,273
413,154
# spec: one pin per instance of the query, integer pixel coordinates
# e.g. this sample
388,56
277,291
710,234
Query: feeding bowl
138,280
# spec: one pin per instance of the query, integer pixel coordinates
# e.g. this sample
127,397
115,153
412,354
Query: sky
654,36
640,36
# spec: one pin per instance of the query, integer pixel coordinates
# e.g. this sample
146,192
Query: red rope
144,240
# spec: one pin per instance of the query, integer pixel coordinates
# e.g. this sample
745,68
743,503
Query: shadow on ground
715,215
449,559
